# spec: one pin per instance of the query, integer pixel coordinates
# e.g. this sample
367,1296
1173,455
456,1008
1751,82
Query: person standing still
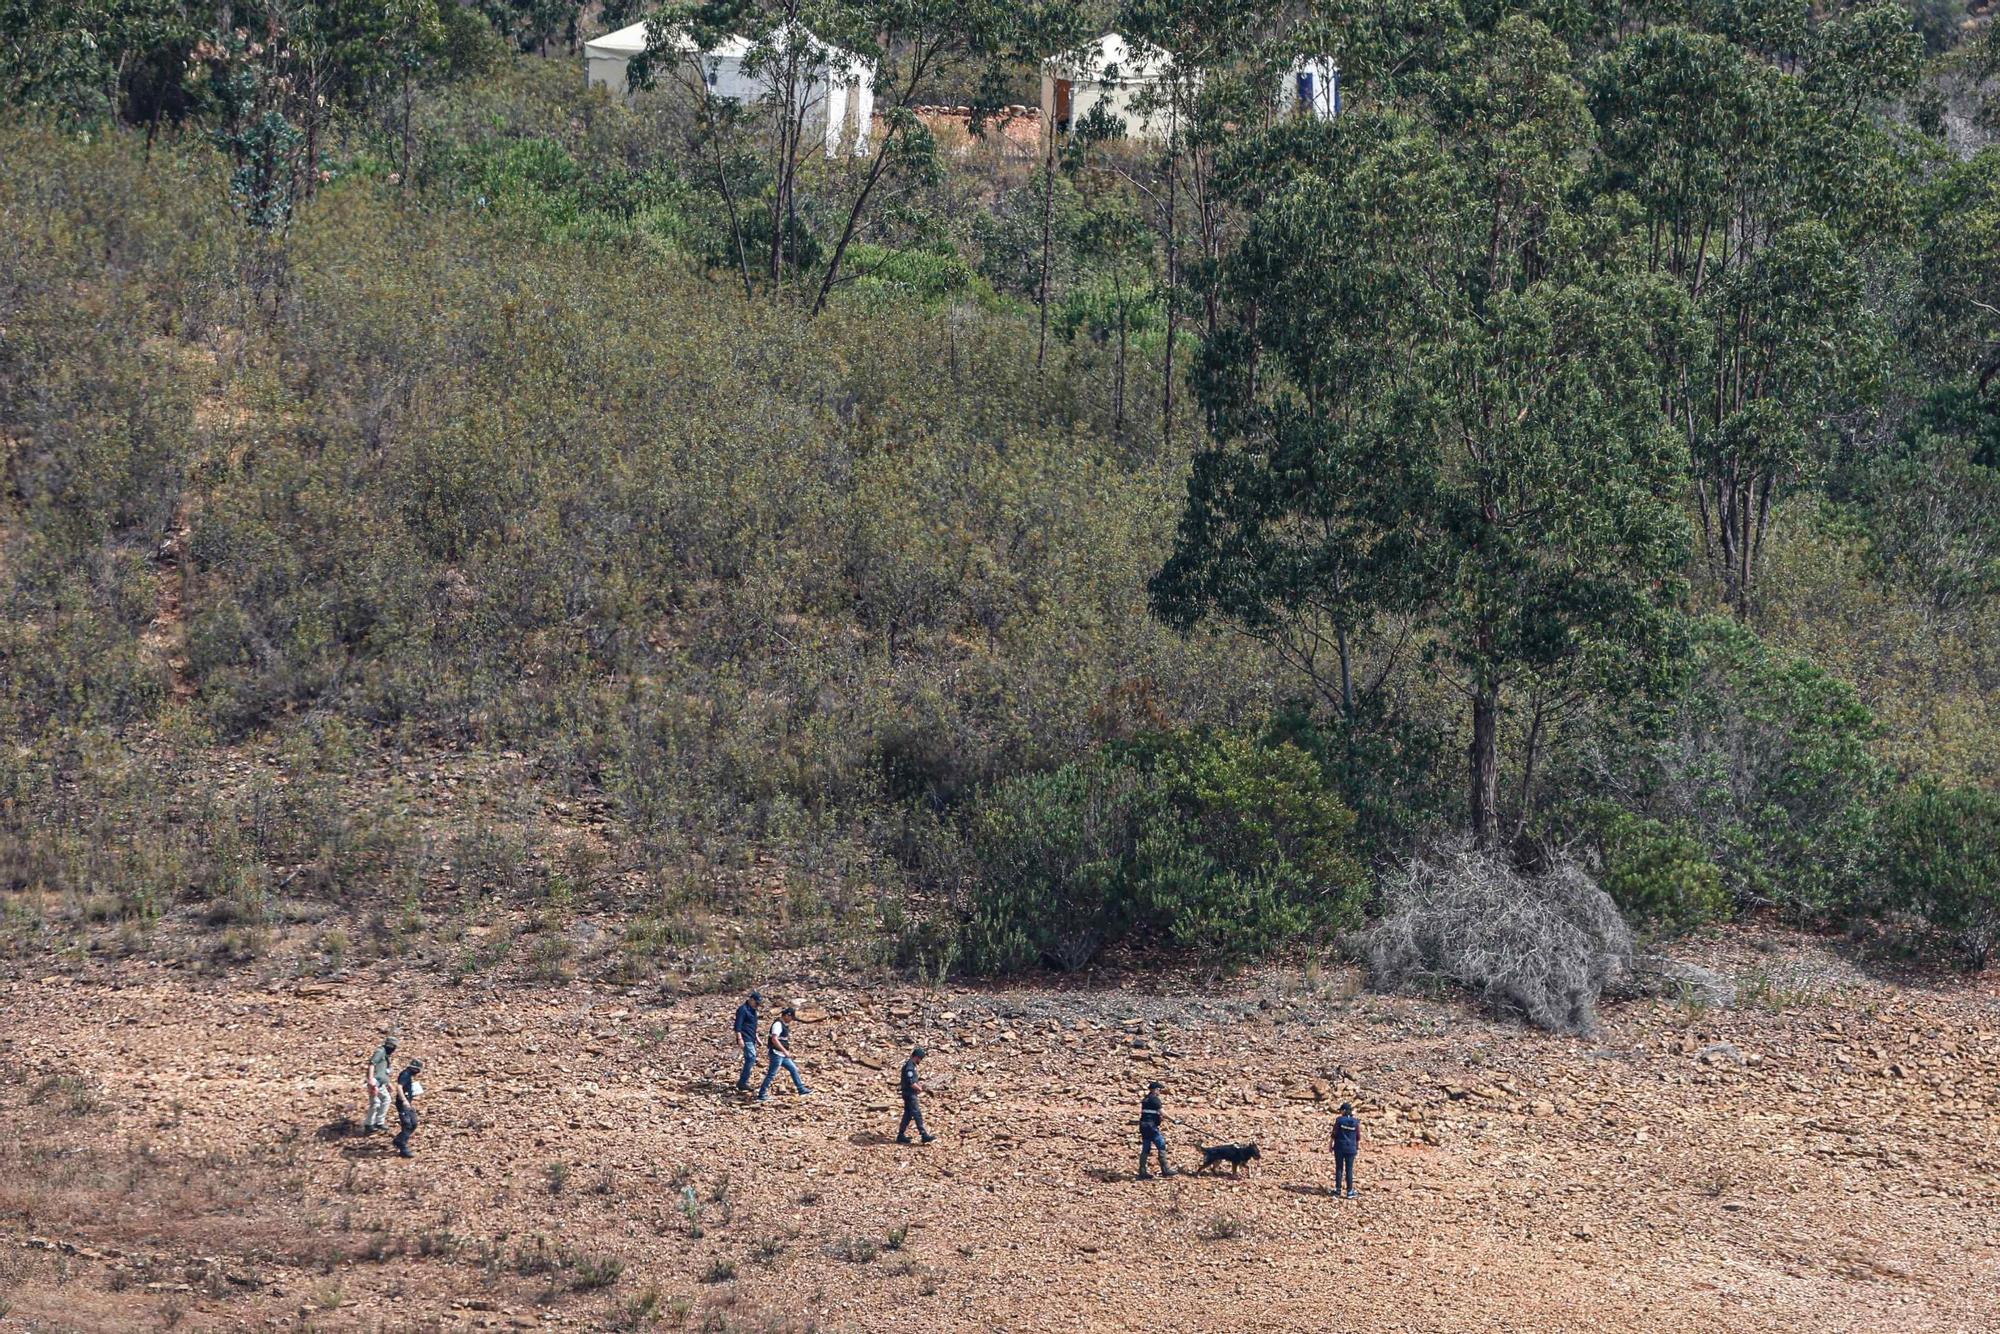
913,1113
781,1056
1346,1144
1151,1113
379,1079
407,1089
746,1034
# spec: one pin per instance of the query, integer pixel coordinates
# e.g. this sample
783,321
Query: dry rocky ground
1821,1154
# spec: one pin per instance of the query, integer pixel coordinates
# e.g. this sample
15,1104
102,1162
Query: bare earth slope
195,1168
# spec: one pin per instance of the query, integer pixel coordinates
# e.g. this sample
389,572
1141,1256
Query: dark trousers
913,1115
1152,1141
407,1119
1343,1170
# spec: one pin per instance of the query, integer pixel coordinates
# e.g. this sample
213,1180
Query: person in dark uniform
913,1115
1346,1144
407,1088
1150,1139
746,1037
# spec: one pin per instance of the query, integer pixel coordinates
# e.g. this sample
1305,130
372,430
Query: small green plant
721,1270
549,960
639,1311
72,1094
854,1250
557,1175
1222,1227
691,1210
596,1271
897,1236
536,1259
333,946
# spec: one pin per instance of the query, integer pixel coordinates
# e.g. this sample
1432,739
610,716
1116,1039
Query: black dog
1234,1154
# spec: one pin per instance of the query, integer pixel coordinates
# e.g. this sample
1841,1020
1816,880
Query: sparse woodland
450,514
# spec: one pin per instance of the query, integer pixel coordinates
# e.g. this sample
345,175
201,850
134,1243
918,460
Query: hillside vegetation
455,515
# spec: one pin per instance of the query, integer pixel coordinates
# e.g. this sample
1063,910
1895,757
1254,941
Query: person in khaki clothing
380,1077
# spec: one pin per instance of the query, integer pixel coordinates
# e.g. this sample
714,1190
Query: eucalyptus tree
1439,421
1768,187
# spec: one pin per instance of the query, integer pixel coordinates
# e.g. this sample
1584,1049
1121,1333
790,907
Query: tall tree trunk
1048,231
1173,286
1346,672
1484,755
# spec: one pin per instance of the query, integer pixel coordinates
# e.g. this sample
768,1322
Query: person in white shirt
781,1056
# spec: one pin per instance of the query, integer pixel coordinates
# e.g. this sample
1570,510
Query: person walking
407,1091
781,1056
913,1113
379,1079
1151,1113
746,1034
1346,1144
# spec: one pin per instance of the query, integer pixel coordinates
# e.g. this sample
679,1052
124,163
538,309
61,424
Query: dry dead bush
1541,946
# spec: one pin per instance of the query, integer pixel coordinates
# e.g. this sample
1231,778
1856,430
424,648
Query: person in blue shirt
1150,1139
1346,1144
746,1034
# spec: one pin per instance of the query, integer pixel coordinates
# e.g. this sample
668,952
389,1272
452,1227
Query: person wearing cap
913,1114
781,1056
746,1034
1150,1139
378,1087
1346,1144
407,1089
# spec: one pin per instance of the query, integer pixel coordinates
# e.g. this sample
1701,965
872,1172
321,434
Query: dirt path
1832,1167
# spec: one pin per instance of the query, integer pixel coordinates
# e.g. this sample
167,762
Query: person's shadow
1324,1192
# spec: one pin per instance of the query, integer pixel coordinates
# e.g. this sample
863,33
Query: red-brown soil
194,1168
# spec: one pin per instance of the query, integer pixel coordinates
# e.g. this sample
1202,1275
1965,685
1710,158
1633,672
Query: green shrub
932,275
1052,856
1765,759
1938,856
1220,845
1658,875
1249,851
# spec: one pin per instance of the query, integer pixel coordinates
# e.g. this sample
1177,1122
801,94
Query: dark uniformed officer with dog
1151,1141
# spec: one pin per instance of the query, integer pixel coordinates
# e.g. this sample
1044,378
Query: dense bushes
1221,845
478,459
1658,875
1760,756
1939,857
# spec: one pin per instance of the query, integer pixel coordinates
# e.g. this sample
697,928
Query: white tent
1114,74
1311,87
838,82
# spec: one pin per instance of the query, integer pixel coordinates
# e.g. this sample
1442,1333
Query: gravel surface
1823,1155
